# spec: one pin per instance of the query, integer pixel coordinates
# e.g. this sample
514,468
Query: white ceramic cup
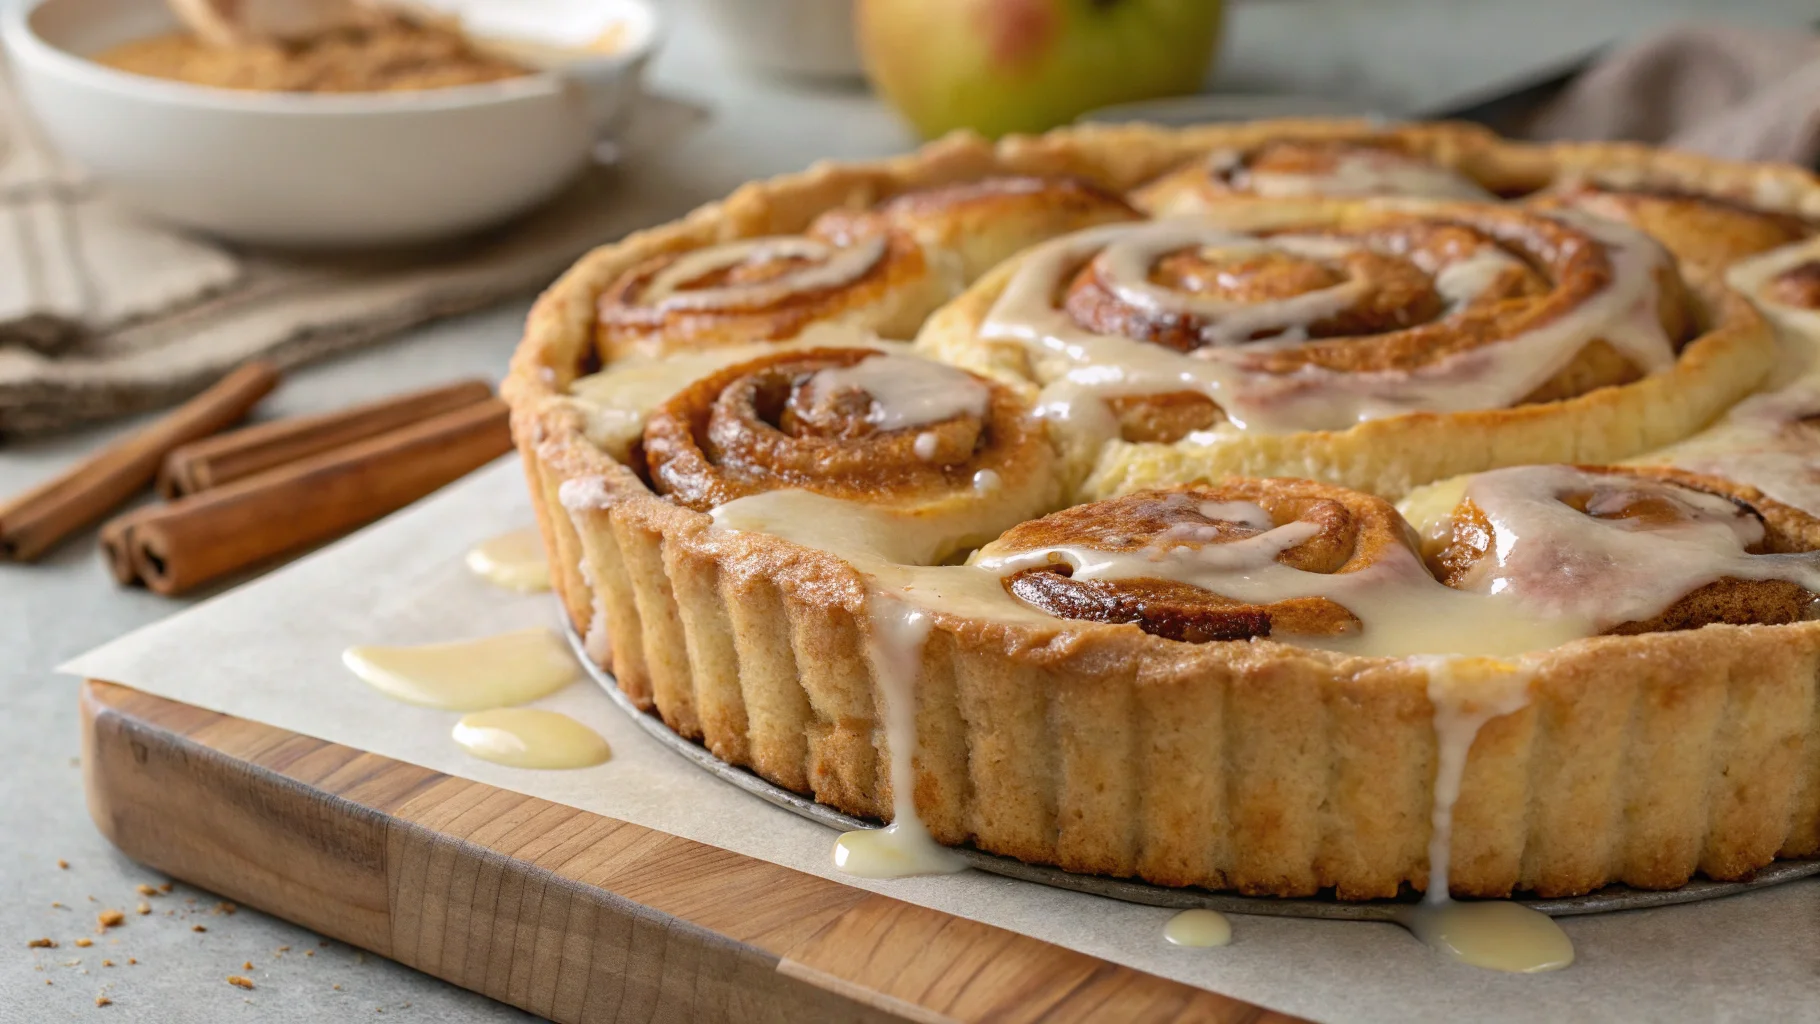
313,170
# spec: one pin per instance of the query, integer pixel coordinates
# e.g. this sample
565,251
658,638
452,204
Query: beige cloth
1726,92
103,313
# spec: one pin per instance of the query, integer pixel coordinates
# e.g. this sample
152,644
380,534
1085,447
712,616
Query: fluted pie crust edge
1256,767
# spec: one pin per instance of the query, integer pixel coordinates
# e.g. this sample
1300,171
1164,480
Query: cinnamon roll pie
1103,570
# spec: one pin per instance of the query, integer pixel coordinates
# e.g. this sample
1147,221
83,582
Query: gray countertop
1398,54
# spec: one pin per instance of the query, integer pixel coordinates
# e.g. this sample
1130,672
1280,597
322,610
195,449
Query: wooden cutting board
567,914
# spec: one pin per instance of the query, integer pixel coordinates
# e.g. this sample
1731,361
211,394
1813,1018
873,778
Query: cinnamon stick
34,521
196,540
214,461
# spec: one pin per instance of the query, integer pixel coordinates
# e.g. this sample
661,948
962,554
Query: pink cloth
1726,92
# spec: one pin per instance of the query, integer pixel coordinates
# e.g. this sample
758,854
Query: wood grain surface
567,914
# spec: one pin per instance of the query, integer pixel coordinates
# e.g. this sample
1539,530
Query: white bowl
313,169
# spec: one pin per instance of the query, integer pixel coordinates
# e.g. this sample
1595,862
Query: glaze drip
905,847
905,391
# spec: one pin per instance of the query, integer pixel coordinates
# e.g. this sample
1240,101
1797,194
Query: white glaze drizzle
1401,608
618,400
1365,171
905,847
907,392
1764,440
577,495
831,267
1461,709
1495,375
1557,562
1497,935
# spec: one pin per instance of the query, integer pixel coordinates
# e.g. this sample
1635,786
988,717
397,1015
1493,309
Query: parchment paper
271,652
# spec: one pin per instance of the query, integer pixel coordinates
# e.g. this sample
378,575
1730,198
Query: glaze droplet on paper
530,738
513,560
1199,929
1495,934
1498,935
468,675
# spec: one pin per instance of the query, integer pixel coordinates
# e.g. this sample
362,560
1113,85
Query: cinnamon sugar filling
813,419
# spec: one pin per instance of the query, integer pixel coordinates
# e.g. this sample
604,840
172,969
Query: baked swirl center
1629,551
852,423
1158,559
1351,314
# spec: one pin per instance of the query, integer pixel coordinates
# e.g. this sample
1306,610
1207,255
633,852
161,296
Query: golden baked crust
1097,747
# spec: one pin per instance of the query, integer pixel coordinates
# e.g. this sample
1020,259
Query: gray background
1395,55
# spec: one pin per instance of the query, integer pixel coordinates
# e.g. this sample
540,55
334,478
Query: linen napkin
1724,91
104,313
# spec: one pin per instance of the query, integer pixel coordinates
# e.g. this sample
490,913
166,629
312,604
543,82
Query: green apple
1000,66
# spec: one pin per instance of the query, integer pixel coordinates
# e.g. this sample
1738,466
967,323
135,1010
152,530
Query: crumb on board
103,1001
164,887
247,966
130,961
239,981
110,918
309,952
197,928
224,907
85,943
143,907
42,944
57,906
62,865
107,963
145,890
337,988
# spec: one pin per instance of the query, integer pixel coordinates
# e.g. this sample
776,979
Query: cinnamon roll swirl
1709,213
1771,440
1258,339
1089,562
953,456
1704,231
1626,550
881,269
1291,167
